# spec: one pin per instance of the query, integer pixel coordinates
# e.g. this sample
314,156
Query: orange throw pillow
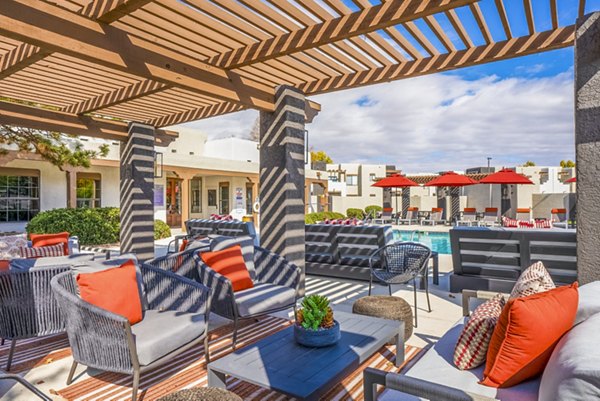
183,245
39,240
526,334
230,263
115,290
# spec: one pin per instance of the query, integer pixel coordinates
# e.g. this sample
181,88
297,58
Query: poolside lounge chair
490,217
386,215
468,217
524,217
435,217
559,218
412,216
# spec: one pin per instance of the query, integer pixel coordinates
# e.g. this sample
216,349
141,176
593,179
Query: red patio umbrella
571,180
454,180
395,181
505,176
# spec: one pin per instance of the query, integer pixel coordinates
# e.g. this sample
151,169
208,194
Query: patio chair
175,320
412,216
524,217
401,263
386,216
559,218
276,282
435,217
468,217
490,218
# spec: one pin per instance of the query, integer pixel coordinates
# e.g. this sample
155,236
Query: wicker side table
386,307
201,394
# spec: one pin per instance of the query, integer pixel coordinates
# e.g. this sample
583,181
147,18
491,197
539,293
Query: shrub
161,230
355,213
313,218
373,210
95,226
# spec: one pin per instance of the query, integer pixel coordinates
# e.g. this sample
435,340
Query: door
249,198
174,202
224,198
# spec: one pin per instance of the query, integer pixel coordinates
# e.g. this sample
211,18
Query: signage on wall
159,195
239,198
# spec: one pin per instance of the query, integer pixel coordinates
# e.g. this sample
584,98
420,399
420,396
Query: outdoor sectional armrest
275,269
223,298
413,386
467,295
166,290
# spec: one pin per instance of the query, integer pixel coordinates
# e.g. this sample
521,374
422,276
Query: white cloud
439,122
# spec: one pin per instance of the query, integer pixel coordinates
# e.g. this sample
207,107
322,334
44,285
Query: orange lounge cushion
39,240
4,265
527,332
230,263
115,290
183,245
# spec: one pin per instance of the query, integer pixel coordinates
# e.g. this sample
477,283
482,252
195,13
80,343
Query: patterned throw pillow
471,348
10,246
42,251
533,280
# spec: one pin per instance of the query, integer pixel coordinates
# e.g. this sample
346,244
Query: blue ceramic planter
318,338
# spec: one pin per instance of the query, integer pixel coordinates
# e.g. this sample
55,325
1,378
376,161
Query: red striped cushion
545,223
42,251
471,348
508,222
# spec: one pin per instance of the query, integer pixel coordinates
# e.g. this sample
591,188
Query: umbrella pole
397,204
491,196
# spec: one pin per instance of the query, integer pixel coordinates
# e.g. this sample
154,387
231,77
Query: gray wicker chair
103,340
27,307
401,263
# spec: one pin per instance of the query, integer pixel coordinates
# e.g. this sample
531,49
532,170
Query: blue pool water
439,242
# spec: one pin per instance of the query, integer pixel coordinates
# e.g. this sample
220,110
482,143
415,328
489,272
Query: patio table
278,363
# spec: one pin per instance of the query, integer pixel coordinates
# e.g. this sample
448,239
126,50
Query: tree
528,163
567,163
254,134
59,149
320,156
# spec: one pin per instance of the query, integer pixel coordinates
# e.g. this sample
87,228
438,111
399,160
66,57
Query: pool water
439,242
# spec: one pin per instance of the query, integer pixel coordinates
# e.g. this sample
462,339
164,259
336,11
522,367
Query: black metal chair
400,263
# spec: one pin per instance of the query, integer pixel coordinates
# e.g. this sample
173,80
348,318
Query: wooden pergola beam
109,11
121,95
20,57
195,114
59,30
387,14
50,120
515,47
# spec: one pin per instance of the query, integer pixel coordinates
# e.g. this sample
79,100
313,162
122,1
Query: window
196,195
224,198
352,180
19,194
212,198
333,178
89,190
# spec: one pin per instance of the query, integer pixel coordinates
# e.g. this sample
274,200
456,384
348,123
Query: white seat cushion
264,298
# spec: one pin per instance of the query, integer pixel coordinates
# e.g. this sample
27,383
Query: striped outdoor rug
189,370
34,352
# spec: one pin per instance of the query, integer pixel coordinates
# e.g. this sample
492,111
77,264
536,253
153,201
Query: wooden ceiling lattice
165,62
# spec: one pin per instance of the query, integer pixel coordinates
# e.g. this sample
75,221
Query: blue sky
513,111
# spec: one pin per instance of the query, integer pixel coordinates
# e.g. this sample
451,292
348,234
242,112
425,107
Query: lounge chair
468,217
386,215
559,218
490,217
412,216
435,217
524,217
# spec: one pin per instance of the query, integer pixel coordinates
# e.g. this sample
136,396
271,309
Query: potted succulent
315,325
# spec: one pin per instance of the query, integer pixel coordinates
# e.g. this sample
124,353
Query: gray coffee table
278,363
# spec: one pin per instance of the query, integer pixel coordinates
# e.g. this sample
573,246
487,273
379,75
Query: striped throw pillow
42,251
471,348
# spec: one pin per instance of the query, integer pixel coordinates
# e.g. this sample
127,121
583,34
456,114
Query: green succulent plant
315,313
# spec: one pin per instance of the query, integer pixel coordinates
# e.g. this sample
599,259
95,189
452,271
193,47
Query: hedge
93,226
313,218
355,213
373,210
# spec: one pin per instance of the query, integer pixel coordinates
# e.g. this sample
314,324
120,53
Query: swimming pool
437,241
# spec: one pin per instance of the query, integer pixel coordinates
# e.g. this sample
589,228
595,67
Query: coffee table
278,363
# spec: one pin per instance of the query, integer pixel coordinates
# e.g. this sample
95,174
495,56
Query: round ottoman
201,394
386,307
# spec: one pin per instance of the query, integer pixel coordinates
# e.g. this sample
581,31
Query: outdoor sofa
573,372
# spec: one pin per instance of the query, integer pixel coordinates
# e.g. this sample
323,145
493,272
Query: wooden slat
316,9
21,57
290,9
196,114
480,19
460,29
109,11
403,43
438,31
515,47
554,14
389,13
247,15
59,30
412,28
529,16
503,18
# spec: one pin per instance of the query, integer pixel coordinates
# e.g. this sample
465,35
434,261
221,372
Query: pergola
125,69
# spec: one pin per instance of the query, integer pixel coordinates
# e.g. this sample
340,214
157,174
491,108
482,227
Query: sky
512,111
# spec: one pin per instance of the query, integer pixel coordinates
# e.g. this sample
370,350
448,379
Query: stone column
405,201
137,192
282,177
587,142
454,202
